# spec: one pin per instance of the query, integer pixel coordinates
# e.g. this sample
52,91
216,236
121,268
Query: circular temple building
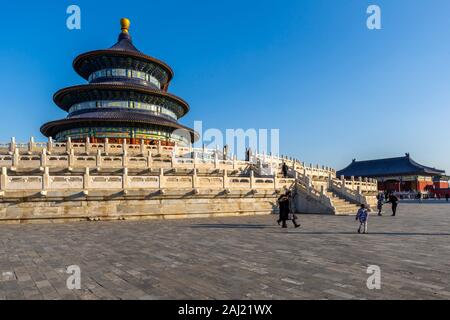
126,99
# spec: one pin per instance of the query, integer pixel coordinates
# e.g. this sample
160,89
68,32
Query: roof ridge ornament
125,25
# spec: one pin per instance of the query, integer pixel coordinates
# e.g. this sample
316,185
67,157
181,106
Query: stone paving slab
232,258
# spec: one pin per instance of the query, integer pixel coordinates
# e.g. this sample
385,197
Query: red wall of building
441,185
422,185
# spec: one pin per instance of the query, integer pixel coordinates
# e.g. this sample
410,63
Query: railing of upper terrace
45,182
75,155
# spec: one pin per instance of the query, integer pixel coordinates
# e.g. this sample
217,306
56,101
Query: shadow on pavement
374,233
232,226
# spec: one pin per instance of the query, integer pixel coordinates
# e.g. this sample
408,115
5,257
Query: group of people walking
363,213
286,210
391,198
286,213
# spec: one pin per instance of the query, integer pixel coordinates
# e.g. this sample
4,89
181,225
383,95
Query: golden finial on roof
125,25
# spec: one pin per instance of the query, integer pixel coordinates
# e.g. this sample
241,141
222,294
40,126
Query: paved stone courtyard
232,258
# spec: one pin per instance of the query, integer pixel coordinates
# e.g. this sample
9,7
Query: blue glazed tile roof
125,44
387,167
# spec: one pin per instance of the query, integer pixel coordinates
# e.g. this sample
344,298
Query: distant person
447,196
380,203
363,217
394,201
419,196
285,170
284,203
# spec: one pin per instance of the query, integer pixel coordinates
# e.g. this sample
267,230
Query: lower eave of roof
50,129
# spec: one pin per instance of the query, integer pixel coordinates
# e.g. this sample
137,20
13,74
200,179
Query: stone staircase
317,189
342,205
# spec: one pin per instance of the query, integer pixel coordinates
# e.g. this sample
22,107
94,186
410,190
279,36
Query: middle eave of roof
60,97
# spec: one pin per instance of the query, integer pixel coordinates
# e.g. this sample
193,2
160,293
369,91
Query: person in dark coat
284,203
394,201
380,202
285,170
447,196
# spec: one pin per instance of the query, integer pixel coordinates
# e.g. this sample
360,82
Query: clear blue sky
335,89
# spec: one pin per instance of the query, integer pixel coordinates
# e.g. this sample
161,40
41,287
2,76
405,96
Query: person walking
394,201
247,154
363,217
285,170
447,196
380,203
284,203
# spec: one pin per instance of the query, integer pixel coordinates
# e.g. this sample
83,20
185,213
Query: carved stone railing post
45,181
125,179
173,160
195,159
161,178
50,145
149,159
194,179
252,179
124,158
225,179
98,159
15,159
142,147
71,158
31,145
68,145
216,159
87,145
107,146
124,146
12,145
234,162
4,179
44,158
86,180
309,184
159,146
